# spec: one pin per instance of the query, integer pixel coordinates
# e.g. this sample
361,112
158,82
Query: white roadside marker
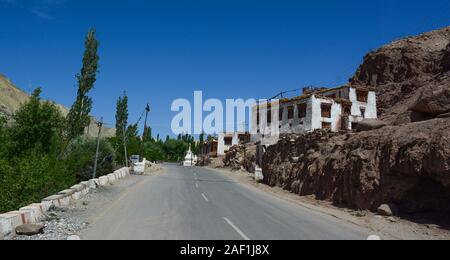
237,229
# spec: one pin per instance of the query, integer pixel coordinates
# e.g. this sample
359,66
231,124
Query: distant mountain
12,97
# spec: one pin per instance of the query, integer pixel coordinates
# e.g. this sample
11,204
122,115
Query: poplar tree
121,116
78,118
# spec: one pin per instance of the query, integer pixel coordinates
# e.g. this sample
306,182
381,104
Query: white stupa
190,159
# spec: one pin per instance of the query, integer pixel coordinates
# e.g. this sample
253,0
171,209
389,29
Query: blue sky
162,50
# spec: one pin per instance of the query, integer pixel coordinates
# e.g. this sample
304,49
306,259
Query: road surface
202,204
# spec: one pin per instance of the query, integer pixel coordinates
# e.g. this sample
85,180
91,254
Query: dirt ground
388,228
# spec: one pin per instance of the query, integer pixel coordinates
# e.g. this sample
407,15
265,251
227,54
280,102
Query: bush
154,151
80,157
30,178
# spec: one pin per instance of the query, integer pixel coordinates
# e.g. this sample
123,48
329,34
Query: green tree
78,118
121,115
37,125
148,135
154,151
80,157
3,137
133,140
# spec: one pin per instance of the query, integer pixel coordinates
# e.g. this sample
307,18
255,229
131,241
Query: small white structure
228,140
334,109
190,159
139,167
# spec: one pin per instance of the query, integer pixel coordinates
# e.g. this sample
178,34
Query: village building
228,140
335,109
209,148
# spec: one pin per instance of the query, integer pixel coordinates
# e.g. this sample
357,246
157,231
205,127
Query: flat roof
319,93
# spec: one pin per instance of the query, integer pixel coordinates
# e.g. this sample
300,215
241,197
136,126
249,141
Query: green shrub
30,178
80,156
154,151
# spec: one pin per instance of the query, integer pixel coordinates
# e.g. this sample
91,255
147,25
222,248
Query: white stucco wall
370,106
313,119
221,147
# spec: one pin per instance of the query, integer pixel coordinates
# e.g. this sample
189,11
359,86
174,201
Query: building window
244,138
326,110
228,141
326,126
291,112
347,110
281,114
362,96
269,116
301,110
363,112
257,117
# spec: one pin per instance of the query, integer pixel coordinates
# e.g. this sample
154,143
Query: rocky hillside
407,162
12,97
406,71
406,165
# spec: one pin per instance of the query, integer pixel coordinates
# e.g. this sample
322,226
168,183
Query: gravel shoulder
60,224
388,228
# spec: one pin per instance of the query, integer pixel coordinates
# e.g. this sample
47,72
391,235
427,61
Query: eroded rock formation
408,165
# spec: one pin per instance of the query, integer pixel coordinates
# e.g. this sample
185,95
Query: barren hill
12,97
408,71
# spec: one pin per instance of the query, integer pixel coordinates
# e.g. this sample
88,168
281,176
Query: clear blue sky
162,50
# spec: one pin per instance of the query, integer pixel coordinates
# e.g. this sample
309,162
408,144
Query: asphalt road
201,204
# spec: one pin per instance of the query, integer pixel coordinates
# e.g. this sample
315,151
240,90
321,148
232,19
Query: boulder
433,101
29,229
369,124
388,210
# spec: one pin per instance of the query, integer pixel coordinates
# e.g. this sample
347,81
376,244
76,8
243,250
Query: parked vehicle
135,159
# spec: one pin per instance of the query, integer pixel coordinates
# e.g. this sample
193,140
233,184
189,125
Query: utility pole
100,125
125,146
147,110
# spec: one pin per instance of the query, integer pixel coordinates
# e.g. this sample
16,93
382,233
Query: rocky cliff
405,71
407,165
406,162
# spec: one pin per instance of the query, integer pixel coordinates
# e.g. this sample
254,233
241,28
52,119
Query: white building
227,140
335,109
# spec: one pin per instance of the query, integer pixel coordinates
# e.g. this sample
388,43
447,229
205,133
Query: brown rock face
404,70
446,59
369,124
408,165
241,157
434,101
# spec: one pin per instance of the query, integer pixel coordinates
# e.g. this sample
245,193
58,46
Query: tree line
147,146
43,152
